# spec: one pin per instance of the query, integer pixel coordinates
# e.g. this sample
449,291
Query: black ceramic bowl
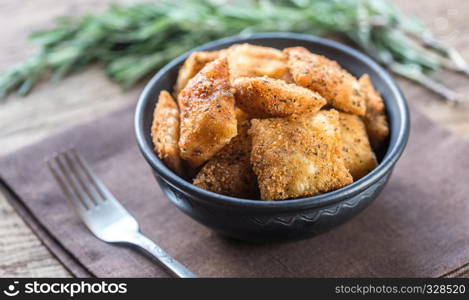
256,220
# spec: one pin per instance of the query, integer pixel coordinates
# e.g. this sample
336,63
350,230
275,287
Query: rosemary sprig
135,40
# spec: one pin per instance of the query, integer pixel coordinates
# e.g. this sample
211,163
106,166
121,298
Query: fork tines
101,212
75,179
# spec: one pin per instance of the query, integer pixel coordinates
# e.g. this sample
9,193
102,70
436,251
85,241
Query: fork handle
163,258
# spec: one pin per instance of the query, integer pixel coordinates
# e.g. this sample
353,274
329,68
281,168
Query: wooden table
84,96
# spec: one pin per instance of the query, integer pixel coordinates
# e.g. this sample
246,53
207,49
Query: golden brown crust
375,117
229,172
287,77
266,97
193,64
208,119
358,156
247,60
326,77
298,156
241,116
165,131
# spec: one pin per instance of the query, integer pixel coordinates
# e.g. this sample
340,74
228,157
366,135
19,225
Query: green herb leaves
136,40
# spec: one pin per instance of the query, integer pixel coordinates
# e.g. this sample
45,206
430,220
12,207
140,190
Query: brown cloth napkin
418,227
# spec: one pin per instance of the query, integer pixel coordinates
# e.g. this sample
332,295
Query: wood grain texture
49,109
21,252
89,94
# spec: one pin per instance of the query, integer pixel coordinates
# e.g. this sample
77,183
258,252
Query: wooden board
89,94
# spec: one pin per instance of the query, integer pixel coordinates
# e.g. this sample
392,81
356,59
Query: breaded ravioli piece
265,97
358,156
229,172
208,120
165,131
375,117
298,156
193,64
247,60
326,77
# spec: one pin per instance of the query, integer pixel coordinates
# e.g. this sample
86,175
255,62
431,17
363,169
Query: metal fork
101,212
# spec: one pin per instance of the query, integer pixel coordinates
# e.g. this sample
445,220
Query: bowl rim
391,156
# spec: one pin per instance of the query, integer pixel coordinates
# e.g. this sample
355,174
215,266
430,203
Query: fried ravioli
247,60
208,120
193,64
326,77
375,117
165,131
358,156
229,172
241,116
265,97
298,156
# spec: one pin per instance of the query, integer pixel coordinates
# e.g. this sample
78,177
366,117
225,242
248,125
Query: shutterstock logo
11,290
